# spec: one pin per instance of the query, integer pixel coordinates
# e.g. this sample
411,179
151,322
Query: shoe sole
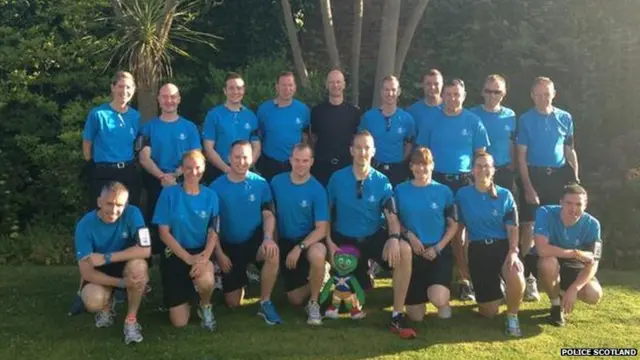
133,341
397,332
269,322
314,322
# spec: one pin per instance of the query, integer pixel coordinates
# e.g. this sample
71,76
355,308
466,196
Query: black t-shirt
334,127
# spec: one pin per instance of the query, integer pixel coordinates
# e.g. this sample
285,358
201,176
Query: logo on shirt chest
125,235
298,121
464,132
400,130
495,212
182,136
247,126
507,128
202,214
434,206
304,204
252,198
371,199
131,131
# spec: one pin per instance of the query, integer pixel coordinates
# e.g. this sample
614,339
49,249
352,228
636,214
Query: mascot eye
341,261
349,262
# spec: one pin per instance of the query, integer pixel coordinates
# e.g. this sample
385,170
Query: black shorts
293,278
485,265
396,173
177,284
269,167
114,269
425,273
371,248
549,184
323,169
569,271
241,255
103,173
454,181
504,177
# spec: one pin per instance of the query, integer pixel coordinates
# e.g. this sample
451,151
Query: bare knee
95,297
406,253
234,298
317,254
548,266
439,296
591,293
295,298
488,310
416,312
179,316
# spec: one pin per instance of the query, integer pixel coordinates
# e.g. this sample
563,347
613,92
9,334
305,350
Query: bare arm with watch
177,249
150,166
392,247
269,247
432,252
319,233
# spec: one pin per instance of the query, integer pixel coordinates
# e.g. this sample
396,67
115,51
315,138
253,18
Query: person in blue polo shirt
393,130
456,135
187,217
247,225
427,212
111,245
165,139
490,215
362,199
500,122
303,221
569,245
227,123
283,122
425,111
547,162
108,140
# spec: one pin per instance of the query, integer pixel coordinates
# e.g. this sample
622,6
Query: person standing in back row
283,122
333,124
456,135
547,162
108,141
426,110
393,130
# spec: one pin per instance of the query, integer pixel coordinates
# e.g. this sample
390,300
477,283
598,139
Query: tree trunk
147,102
355,51
407,35
298,61
329,34
387,45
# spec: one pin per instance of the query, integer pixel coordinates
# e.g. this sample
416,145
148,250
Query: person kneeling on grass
489,213
569,246
111,245
187,219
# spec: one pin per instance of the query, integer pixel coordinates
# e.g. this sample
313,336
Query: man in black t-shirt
333,124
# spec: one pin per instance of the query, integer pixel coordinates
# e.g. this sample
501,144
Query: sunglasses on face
359,188
494,92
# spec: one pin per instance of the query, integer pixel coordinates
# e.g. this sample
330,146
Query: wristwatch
302,246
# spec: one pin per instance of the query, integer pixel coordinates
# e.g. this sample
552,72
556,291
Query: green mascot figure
343,286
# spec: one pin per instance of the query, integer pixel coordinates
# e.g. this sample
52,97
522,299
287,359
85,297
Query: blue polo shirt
422,209
425,117
454,140
96,236
112,134
577,236
501,129
358,217
187,216
389,133
282,127
170,140
298,206
241,206
224,126
485,217
545,137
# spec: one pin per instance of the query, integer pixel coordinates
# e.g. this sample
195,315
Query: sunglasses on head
359,188
494,92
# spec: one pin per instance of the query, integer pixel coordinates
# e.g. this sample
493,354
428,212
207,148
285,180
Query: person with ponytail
489,213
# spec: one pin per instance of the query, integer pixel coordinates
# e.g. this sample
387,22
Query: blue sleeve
262,117
364,123
321,205
136,123
83,243
511,211
411,126
209,127
215,204
541,226
194,137
522,137
136,218
387,191
266,193
594,233
162,212
331,193
480,137
90,127
145,130
306,116
458,204
253,120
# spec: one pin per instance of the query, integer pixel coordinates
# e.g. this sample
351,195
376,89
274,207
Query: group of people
415,191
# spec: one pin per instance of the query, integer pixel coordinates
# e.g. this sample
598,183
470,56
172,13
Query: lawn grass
34,325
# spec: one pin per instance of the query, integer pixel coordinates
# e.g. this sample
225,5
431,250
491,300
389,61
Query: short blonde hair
193,154
120,75
541,80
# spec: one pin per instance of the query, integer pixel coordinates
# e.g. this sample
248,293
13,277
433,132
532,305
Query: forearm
134,252
523,166
572,159
212,242
213,157
585,275
513,156
393,223
319,233
452,229
408,146
171,242
91,275
86,149
513,235
268,224
149,165
547,250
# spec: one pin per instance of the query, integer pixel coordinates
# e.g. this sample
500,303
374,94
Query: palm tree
148,33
